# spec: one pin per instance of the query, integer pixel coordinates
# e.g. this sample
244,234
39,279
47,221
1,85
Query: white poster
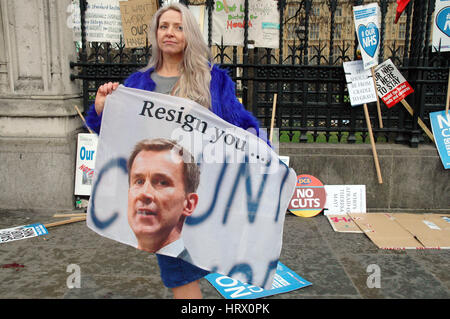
85,163
361,88
343,199
102,21
367,24
441,26
263,23
173,178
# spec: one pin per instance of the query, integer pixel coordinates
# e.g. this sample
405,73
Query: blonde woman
181,65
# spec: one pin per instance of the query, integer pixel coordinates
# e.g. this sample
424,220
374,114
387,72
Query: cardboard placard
392,87
431,230
359,83
385,232
136,18
343,223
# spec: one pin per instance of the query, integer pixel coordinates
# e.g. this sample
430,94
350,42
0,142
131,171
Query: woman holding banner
181,65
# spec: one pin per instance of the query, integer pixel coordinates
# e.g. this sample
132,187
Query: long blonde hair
196,65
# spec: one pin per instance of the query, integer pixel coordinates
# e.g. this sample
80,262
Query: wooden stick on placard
70,215
372,142
67,221
273,116
380,119
84,121
419,120
447,102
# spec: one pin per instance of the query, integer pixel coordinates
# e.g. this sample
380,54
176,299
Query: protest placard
85,163
440,124
362,91
226,213
392,88
22,232
263,23
309,197
367,24
441,26
359,83
343,199
136,17
102,21
285,280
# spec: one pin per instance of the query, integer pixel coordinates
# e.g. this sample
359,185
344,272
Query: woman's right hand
102,93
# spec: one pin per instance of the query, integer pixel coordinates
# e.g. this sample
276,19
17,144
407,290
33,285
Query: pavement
339,265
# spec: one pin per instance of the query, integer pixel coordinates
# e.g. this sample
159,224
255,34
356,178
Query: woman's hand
102,93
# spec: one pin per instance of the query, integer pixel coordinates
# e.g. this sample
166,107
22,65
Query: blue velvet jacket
223,98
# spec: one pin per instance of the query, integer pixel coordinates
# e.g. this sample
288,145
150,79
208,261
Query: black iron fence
305,71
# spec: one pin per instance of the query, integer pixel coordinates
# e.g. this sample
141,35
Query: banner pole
84,121
447,102
372,142
67,221
380,119
273,116
419,120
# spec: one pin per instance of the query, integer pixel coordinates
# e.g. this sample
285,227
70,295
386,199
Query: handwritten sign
441,26
367,24
102,21
263,23
359,83
309,197
440,124
392,87
136,18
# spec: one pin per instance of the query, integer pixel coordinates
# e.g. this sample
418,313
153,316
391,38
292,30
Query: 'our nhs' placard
367,24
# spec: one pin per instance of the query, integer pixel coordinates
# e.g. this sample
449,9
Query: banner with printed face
392,87
263,23
441,26
173,178
367,24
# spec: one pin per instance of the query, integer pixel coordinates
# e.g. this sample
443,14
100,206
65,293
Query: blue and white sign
22,232
285,280
441,26
440,124
367,24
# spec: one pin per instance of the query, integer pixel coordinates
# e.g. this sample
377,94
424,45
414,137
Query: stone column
38,121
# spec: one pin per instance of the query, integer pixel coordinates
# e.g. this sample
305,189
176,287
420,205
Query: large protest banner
233,220
441,26
263,23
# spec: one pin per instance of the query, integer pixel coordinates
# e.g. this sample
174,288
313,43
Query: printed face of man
157,199
170,34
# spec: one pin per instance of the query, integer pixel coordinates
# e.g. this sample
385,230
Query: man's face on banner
157,199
